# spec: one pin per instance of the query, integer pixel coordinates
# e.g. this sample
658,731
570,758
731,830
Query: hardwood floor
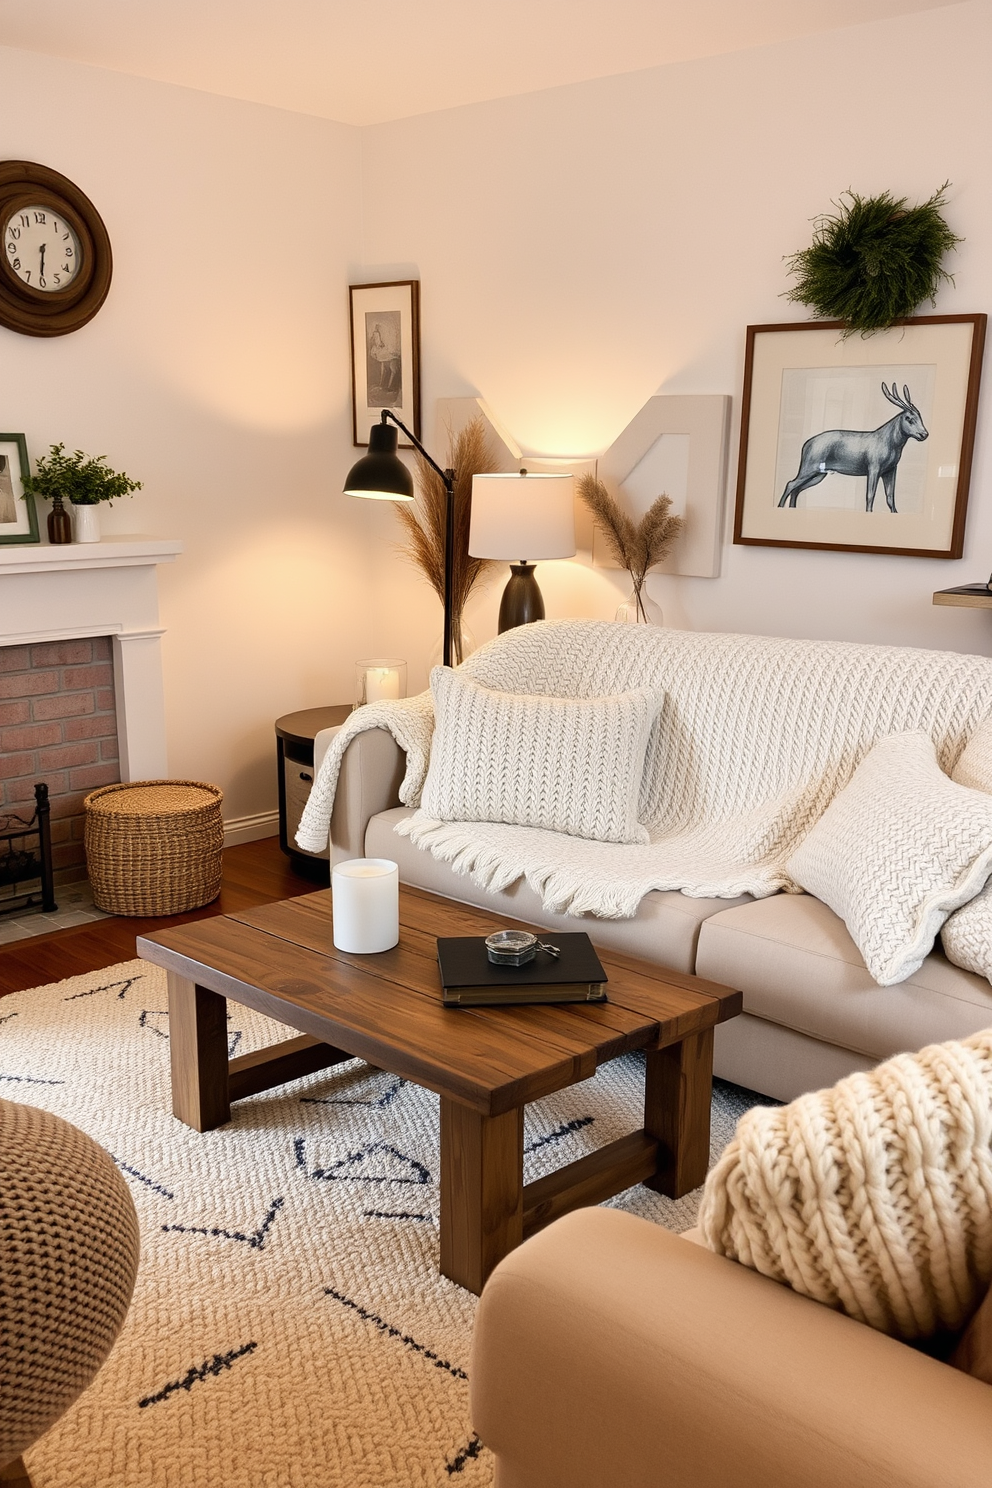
254,873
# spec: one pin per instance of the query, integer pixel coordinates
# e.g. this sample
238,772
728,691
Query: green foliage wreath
875,262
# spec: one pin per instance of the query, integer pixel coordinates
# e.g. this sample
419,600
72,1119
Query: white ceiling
363,63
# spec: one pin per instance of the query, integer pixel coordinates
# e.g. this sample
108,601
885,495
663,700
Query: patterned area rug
289,1328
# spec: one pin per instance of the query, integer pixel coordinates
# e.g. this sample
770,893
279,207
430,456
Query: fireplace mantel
112,552
60,592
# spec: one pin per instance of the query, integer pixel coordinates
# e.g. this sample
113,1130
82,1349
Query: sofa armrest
608,1351
372,768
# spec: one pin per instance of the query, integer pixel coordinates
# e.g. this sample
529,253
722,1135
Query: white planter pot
86,523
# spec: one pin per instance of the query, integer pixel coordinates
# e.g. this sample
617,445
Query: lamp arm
446,475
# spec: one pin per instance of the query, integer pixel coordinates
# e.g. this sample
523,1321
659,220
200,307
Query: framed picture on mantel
385,356
862,444
18,516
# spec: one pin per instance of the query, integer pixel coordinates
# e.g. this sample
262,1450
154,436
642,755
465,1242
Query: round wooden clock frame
37,312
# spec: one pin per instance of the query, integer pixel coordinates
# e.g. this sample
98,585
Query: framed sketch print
385,356
862,444
18,517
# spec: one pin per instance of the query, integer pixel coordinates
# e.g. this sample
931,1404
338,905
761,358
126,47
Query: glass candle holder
379,679
365,905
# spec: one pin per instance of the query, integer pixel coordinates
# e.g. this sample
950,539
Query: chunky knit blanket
755,737
874,1197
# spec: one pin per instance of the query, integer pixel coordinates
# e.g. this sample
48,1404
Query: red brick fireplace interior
58,723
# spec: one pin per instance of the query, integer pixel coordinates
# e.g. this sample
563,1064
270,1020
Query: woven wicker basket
153,847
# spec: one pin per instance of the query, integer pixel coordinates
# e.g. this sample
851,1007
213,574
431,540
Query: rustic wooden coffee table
484,1063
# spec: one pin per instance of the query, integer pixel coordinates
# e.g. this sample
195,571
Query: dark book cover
469,977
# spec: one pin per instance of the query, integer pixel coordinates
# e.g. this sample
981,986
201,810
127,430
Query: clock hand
43,247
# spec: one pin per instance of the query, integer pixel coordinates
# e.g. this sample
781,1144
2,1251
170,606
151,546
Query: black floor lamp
381,476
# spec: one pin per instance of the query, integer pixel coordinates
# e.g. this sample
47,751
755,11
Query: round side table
295,733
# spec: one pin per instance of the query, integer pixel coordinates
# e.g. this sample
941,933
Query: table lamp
522,514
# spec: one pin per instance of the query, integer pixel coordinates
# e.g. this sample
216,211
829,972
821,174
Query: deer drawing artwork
873,453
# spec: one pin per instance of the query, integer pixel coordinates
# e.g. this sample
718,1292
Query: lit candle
382,682
365,905
380,679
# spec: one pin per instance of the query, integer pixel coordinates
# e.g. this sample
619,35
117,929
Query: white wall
579,250
217,372
585,247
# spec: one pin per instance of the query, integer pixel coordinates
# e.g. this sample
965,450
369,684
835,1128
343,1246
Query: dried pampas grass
470,454
636,546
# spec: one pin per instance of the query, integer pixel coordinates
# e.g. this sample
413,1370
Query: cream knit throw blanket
756,736
874,1197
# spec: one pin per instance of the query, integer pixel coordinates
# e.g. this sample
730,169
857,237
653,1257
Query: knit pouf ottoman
68,1259
153,847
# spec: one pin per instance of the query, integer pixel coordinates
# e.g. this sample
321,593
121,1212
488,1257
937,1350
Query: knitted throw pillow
967,935
974,766
568,764
896,851
874,1197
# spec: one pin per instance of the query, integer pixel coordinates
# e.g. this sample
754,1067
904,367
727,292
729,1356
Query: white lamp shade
522,518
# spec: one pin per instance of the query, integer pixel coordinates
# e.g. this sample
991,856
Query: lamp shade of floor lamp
521,519
381,476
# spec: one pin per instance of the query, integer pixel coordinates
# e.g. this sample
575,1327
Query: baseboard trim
251,828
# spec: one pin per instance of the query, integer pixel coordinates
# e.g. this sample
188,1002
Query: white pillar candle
365,905
381,683
380,679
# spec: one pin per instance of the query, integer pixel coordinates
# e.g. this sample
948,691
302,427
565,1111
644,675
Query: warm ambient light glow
378,495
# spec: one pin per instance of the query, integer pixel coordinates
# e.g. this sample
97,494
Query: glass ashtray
511,947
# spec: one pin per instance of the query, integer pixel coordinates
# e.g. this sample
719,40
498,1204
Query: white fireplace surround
59,593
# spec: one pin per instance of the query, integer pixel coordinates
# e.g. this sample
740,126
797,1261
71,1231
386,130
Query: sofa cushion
896,851
973,1353
797,966
967,935
873,1196
664,929
974,767
571,765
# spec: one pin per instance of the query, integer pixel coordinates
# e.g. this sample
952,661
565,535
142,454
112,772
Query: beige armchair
609,1353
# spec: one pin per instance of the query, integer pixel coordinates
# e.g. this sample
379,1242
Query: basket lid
153,798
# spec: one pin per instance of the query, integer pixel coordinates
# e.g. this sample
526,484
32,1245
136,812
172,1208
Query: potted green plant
84,482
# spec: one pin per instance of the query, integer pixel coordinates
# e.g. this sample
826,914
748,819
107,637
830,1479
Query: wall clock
55,258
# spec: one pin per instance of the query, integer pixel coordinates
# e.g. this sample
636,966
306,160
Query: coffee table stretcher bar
484,1063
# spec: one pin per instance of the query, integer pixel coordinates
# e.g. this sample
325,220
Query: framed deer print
859,443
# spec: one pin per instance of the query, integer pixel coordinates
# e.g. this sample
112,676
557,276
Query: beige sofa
608,1351
812,1013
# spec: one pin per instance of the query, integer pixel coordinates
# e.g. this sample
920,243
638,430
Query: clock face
41,248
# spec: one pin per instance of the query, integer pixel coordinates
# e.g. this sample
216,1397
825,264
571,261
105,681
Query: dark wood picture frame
24,527
385,355
952,360
33,312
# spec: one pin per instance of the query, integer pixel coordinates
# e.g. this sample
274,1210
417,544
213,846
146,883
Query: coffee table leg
677,1091
198,1050
481,1191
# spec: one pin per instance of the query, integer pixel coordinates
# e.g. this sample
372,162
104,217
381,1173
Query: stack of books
469,978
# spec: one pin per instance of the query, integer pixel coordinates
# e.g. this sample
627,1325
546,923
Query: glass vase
59,523
463,643
640,609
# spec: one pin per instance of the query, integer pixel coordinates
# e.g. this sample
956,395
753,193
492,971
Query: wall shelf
967,596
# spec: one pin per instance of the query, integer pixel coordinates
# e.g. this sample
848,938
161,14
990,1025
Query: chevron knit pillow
896,851
974,767
967,935
567,764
